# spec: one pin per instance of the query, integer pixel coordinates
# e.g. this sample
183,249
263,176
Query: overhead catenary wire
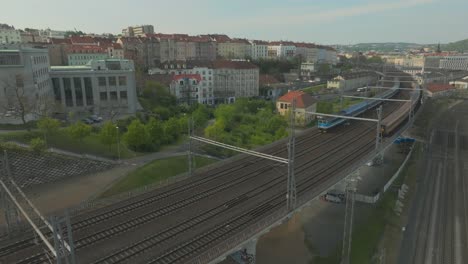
246,151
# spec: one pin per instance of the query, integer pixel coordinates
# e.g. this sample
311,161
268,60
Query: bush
38,145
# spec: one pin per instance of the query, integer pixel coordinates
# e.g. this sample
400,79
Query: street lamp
118,142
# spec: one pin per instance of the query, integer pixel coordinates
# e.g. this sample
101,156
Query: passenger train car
325,124
390,123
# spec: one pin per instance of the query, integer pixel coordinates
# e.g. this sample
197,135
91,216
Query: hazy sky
321,21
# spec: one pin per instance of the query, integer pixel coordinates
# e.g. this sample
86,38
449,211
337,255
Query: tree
137,136
155,130
158,95
171,129
38,145
48,126
201,115
16,98
79,130
108,134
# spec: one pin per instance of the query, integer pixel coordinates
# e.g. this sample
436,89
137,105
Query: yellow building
304,103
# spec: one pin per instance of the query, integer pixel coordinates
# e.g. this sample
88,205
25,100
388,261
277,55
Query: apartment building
138,31
235,79
25,70
459,62
220,80
281,49
233,48
307,51
101,86
9,35
81,55
258,49
353,80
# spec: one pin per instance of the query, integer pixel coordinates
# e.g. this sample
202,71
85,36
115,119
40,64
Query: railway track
129,224
274,191
114,221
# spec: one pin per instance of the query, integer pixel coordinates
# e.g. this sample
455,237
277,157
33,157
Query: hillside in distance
460,46
382,47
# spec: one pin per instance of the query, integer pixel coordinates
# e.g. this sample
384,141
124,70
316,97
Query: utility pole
351,187
189,152
291,196
378,138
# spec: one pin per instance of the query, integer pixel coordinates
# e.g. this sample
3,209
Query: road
438,225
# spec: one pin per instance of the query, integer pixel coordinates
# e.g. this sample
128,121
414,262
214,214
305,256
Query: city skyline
346,22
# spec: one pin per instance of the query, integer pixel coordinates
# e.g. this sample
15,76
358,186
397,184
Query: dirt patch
55,197
284,244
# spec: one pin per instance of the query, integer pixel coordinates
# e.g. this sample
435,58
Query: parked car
95,118
87,121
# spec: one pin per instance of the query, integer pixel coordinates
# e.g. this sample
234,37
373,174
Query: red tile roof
284,43
82,40
303,100
86,49
178,77
260,42
305,45
241,41
439,87
60,41
220,37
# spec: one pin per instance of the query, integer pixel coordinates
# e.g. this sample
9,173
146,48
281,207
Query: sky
319,21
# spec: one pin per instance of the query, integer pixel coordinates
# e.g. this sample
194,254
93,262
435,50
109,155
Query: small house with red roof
435,90
304,103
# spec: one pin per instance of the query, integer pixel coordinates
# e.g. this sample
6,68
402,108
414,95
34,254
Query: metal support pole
349,216
378,138
291,187
189,152
118,141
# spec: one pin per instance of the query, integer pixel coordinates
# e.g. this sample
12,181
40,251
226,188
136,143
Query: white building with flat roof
101,86
455,62
24,79
9,35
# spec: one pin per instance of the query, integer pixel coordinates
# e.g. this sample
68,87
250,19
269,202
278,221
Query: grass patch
347,102
315,89
155,171
61,140
28,125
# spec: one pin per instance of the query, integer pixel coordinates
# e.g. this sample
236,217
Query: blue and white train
327,123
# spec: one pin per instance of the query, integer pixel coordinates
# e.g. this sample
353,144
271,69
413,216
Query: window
122,80
113,96
56,88
68,92
103,96
112,81
88,91
102,81
282,106
123,95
